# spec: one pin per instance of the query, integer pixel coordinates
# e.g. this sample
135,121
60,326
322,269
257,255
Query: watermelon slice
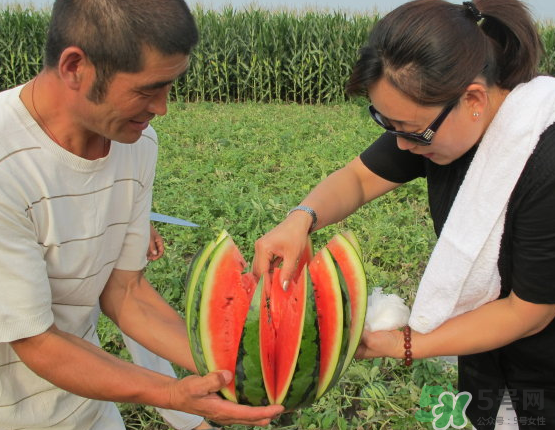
285,356
193,290
331,296
224,305
249,379
297,353
343,251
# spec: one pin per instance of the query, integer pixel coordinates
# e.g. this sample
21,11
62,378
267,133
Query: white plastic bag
385,311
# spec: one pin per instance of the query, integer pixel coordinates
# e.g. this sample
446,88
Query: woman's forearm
344,191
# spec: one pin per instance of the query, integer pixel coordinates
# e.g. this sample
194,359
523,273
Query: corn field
255,55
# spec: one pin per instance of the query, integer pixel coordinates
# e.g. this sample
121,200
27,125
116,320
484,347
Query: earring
476,114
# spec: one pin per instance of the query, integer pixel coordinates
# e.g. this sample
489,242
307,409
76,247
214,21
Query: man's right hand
197,395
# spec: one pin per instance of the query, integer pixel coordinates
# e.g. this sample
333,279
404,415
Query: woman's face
459,132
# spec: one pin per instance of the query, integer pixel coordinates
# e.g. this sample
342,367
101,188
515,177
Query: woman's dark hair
431,50
114,33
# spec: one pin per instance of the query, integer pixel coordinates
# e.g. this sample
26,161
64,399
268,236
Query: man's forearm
142,314
80,367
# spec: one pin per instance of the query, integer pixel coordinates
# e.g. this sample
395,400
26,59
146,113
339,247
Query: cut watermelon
287,347
286,319
331,296
193,292
296,337
226,297
352,270
249,380
350,236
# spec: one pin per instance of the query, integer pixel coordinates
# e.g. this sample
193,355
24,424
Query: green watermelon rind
193,293
350,236
249,383
194,282
361,289
304,383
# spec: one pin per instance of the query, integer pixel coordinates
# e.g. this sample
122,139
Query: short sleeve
532,229
135,245
25,294
385,159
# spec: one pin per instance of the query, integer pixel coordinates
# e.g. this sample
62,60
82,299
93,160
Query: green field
240,167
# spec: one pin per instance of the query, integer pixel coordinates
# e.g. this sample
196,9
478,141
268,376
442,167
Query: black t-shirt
527,263
526,266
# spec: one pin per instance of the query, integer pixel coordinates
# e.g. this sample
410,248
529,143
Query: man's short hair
114,33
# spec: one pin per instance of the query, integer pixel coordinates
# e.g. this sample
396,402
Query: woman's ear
73,67
475,99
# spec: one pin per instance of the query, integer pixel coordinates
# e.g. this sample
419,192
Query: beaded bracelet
408,346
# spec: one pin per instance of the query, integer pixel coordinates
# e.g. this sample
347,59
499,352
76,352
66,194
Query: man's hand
156,246
196,394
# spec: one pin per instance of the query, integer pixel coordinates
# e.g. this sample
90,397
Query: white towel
462,273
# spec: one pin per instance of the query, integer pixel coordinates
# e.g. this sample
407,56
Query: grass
240,167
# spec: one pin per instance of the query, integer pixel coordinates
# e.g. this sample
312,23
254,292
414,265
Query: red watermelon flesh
280,333
289,334
224,305
329,306
278,298
268,339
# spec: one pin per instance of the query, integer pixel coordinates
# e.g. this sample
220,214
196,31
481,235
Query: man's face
132,100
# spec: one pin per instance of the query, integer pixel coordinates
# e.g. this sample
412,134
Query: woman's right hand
283,244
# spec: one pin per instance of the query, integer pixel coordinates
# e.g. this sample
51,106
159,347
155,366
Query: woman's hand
381,344
284,243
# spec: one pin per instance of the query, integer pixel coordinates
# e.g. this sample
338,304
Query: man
77,163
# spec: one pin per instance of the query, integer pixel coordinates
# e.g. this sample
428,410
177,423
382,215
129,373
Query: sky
543,10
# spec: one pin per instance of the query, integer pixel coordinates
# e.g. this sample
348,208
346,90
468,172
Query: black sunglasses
422,139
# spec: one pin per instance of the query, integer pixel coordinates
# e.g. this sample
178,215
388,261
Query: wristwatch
309,211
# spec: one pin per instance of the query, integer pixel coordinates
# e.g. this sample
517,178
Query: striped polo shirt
65,223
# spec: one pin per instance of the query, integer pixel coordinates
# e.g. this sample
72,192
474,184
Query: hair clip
471,7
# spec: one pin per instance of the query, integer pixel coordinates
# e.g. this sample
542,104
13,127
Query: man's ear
73,67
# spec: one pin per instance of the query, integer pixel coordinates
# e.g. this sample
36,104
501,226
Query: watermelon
334,321
345,249
225,300
284,347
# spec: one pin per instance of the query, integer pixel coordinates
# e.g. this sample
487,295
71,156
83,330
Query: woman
456,89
